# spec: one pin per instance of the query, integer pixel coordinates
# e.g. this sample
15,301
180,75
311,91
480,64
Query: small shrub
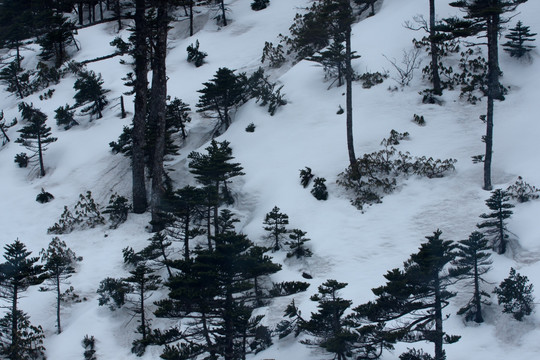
86,215
22,160
195,56
419,119
515,295
319,189
257,5
265,92
89,345
64,117
250,128
305,176
522,191
273,54
288,288
117,209
44,197
371,79
413,354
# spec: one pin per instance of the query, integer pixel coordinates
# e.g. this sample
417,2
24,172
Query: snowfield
348,245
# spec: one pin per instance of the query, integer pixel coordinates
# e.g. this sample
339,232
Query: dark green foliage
517,37
195,56
472,262
64,117
18,338
45,76
380,171
419,119
413,354
16,79
44,197
22,160
259,4
522,191
305,176
123,145
273,54
250,127
117,209
58,35
515,295
59,264
287,288
86,214
4,127
112,292
121,46
89,345
328,326
416,297
275,222
177,117
221,95
226,221
371,79
297,244
264,92
333,61
319,190
494,226
35,136
90,92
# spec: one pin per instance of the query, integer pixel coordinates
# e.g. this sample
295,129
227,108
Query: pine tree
118,210
35,136
495,226
297,244
222,94
515,294
517,37
89,87
195,56
333,59
472,263
16,79
328,325
178,116
59,264
19,339
416,296
276,222
64,117
57,37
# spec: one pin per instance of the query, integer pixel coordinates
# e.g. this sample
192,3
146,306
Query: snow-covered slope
348,246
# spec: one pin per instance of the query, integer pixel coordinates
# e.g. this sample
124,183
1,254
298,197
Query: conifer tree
495,226
515,294
58,35
416,296
19,339
516,45
222,94
297,244
35,136
178,116
59,264
16,79
64,117
472,262
275,222
90,91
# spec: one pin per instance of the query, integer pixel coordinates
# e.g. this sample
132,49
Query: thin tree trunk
488,139
157,113
438,338
223,12
141,309
186,238
190,17
437,89
348,80
139,119
80,7
58,295
477,298
14,327
40,154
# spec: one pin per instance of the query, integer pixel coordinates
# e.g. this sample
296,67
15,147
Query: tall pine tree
494,226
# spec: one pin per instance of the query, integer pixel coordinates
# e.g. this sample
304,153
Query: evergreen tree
472,263
215,170
297,244
517,37
178,116
90,91
333,59
118,210
259,4
35,136
195,55
59,264
275,222
57,36
515,294
16,79
19,339
328,325
416,296
64,117
224,92
495,226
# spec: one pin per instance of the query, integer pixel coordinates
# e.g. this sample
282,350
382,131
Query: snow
350,246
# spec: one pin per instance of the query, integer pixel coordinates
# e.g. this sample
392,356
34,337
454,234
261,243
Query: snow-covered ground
348,246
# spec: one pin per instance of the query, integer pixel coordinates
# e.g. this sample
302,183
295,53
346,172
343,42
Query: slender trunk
80,10
209,227
488,139
191,18
139,119
40,154
158,111
216,208
223,12
439,334
58,295
122,107
165,260
228,326
101,10
494,72
14,328
141,309
118,14
206,334
477,299
502,245
4,133
437,89
186,238
348,80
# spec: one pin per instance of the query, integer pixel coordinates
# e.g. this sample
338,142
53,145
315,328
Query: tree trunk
477,298
437,89
14,328
157,112
58,295
139,119
223,12
348,80
439,333
186,237
502,245
494,72
141,309
488,139
191,18
40,155
80,10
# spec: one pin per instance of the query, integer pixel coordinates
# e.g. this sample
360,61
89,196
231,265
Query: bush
86,215
195,56
22,160
522,191
419,119
259,4
250,127
117,209
515,295
89,345
274,54
305,176
413,354
265,92
64,117
371,79
44,197
319,189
